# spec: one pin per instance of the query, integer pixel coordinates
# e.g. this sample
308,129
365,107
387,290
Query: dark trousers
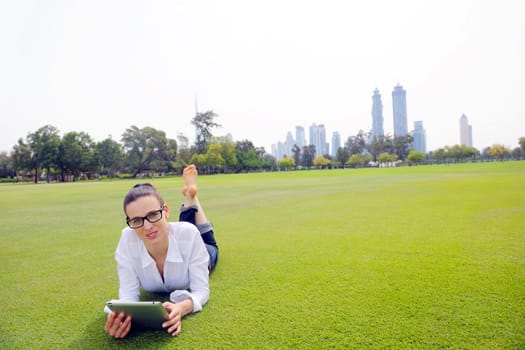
206,230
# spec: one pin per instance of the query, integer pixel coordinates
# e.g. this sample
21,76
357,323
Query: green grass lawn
414,257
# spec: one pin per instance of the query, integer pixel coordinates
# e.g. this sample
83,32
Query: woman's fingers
124,328
174,322
175,329
118,325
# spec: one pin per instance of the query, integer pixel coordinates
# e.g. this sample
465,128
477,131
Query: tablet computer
145,314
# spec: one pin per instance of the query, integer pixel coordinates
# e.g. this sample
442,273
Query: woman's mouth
152,235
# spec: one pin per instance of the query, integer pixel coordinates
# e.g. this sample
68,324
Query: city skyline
101,67
399,118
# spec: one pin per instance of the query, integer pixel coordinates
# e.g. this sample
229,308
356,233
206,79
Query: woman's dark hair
142,190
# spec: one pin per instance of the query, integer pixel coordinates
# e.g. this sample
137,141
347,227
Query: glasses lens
154,217
135,223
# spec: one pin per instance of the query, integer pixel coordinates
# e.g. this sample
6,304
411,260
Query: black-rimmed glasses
152,217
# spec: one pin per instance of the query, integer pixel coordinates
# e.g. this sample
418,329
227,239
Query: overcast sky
100,66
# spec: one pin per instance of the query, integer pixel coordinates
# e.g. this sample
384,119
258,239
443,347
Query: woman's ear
167,210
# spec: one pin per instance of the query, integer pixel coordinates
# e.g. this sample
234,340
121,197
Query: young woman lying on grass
162,256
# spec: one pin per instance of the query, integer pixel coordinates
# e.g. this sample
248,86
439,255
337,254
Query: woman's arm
176,312
198,275
118,325
129,285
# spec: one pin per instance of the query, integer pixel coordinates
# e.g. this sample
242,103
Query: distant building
300,138
377,115
284,149
399,104
278,150
288,145
419,142
336,143
465,131
318,139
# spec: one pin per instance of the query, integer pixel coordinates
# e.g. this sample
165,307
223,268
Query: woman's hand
118,325
175,314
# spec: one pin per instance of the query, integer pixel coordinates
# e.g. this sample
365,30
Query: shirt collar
173,255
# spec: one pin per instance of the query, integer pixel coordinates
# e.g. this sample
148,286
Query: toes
190,170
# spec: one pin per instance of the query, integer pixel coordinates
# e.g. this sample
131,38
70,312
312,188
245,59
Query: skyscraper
465,131
336,143
377,115
318,139
288,145
399,104
420,139
300,138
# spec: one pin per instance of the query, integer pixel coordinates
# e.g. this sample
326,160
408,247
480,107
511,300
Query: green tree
108,156
296,150
460,153
269,162
308,156
356,144
387,157
287,163
522,144
402,146
170,162
342,155
498,151
356,160
200,161
251,161
147,149
22,158
76,154
6,169
321,161
415,156
204,123
249,157
227,151
214,159
40,151
381,144
439,155
516,153
184,150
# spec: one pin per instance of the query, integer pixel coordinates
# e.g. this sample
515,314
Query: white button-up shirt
185,270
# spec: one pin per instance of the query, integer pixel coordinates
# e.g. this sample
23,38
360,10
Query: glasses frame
146,218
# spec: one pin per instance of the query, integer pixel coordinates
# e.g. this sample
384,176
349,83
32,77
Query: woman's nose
147,224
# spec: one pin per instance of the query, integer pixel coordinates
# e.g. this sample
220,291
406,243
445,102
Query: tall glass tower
377,115
300,139
419,142
399,104
465,131
318,139
336,143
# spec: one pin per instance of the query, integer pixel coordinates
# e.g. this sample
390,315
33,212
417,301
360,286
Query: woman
160,256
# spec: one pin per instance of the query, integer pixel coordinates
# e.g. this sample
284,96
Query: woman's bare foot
190,181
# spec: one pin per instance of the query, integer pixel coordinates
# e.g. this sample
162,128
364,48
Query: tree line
45,155
385,149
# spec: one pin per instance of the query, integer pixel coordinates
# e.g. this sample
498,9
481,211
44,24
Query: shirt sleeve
129,289
199,290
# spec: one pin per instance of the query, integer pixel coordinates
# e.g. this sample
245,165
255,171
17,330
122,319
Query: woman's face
149,206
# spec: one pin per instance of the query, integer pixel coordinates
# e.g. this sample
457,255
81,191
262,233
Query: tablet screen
144,314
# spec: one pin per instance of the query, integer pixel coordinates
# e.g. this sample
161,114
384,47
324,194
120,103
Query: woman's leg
191,211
